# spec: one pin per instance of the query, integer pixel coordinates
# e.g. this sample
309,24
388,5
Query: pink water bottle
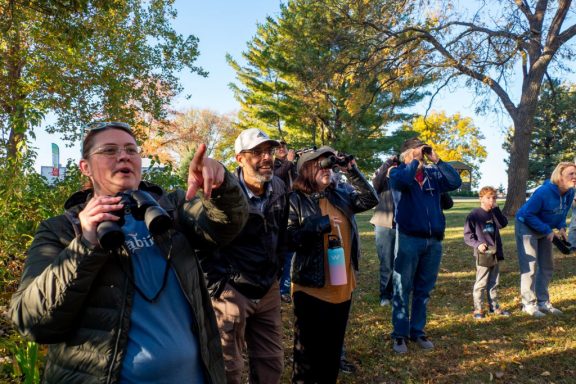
336,261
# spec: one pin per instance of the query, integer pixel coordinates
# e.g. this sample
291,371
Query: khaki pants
254,327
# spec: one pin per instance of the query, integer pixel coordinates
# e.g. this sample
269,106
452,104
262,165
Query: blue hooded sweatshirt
418,210
546,209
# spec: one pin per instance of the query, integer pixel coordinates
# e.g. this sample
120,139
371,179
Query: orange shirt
334,293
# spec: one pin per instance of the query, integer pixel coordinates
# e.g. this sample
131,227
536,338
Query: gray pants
487,279
536,265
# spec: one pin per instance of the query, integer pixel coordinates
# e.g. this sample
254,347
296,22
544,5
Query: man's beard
264,178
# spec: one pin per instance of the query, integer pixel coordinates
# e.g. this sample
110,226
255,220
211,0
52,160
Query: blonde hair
487,190
557,173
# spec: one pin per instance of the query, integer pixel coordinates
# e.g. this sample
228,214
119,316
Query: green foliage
312,79
163,175
554,131
26,355
86,60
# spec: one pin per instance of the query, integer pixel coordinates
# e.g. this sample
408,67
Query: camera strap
164,278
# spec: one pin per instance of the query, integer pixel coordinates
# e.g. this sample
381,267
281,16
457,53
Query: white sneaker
532,310
548,308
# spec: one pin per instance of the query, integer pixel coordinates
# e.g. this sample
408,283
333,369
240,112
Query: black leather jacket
307,226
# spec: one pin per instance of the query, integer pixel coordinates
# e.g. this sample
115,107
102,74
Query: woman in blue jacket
536,221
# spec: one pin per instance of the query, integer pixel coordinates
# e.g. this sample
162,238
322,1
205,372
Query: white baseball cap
251,138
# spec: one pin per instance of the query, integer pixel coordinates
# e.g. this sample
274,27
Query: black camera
427,150
562,245
142,206
341,160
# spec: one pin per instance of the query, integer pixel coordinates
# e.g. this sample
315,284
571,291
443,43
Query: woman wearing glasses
138,311
536,222
323,232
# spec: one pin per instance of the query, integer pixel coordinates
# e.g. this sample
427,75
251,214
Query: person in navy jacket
482,233
416,189
536,220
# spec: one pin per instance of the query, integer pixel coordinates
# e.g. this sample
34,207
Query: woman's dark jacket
307,226
78,298
251,263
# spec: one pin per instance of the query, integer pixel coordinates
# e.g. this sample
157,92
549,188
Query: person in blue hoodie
536,220
417,184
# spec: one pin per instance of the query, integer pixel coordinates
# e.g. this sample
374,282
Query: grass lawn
519,349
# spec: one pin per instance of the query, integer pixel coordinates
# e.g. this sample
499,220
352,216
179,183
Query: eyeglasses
115,150
260,152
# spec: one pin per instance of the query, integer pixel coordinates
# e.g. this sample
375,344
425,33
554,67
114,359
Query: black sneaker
347,367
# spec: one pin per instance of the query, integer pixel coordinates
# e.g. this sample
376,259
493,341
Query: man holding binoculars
135,308
416,189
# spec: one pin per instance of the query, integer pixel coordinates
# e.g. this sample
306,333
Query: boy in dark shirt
482,233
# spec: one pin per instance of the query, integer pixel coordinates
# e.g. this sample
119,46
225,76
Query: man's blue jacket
418,210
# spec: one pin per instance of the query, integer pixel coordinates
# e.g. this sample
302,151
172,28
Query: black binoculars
427,150
331,161
562,245
142,206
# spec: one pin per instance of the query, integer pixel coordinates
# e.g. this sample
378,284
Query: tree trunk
518,169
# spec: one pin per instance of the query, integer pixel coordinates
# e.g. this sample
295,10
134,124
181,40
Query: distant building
465,172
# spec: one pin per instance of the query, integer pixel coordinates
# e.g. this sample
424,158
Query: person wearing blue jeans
420,223
385,229
285,282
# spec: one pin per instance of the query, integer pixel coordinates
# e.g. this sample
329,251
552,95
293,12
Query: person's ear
85,168
240,159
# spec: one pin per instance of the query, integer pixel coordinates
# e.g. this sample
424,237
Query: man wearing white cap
243,277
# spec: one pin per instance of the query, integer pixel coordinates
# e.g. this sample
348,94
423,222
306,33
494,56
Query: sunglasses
101,125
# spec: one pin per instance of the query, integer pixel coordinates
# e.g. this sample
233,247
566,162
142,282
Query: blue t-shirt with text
162,348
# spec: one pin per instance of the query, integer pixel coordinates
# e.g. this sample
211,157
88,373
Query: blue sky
225,26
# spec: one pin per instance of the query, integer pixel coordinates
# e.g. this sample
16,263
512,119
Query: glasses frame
119,150
259,153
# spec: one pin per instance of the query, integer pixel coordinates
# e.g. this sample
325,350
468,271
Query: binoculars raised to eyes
427,150
331,161
142,206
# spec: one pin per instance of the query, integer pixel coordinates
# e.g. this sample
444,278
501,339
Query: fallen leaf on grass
545,373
